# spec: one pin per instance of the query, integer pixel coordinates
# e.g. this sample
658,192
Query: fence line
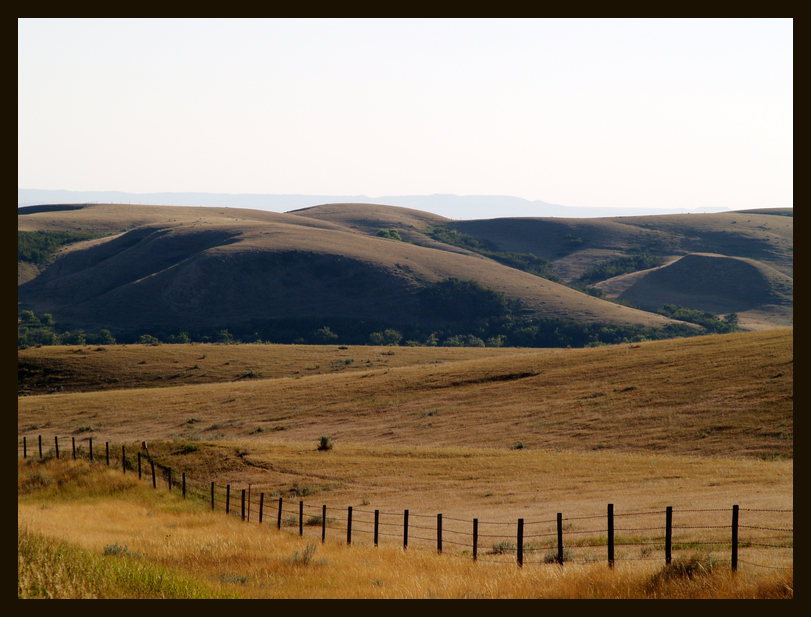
512,545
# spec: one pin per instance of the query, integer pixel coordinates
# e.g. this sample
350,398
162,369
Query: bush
502,548
387,337
391,234
683,568
306,556
325,443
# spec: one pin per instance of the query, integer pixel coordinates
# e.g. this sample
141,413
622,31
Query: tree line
454,313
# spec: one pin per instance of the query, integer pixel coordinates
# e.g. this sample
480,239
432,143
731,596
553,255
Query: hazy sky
614,113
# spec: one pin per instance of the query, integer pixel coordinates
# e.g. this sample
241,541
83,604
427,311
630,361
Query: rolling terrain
185,267
720,395
501,433
698,423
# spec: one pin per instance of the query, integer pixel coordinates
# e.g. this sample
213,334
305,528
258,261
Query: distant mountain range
458,207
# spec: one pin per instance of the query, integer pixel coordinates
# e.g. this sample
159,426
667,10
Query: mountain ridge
460,207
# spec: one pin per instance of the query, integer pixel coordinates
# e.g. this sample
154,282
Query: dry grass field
96,533
498,434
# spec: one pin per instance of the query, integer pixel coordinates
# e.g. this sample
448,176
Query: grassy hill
729,395
183,268
697,424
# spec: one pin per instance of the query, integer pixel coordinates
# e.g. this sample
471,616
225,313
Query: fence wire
565,539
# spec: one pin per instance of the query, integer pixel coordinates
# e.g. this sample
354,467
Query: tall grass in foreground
131,541
48,568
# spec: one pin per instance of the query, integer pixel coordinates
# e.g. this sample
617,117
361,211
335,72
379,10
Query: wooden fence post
40,446
73,439
212,496
323,523
279,521
405,530
377,523
91,449
519,546
123,459
734,538
227,498
243,504
439,533
25,448
611,535
261,506
669,535
154,480
301,517
560,538
56,446
107,447
475,539
170,478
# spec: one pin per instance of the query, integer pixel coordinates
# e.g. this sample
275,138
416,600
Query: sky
579,112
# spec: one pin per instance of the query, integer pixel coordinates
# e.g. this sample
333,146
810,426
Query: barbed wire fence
747,535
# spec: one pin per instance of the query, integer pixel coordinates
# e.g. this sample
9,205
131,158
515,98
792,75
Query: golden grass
699,425
227,556
120,367
729,395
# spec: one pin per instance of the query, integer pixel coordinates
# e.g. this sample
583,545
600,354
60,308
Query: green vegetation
456,300
48,568
33,331
526,262
391,234
642,260
707,320
458,314
37,246
389,336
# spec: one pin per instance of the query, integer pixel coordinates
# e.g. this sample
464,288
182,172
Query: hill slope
184,267
181,266
719,395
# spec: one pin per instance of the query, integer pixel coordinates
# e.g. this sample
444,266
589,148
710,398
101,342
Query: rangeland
696,424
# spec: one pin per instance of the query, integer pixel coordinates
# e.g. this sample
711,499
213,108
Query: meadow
697,424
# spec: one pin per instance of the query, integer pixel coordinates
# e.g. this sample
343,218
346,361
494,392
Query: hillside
719,395
184,268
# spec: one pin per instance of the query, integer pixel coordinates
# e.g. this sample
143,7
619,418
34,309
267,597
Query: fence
611,536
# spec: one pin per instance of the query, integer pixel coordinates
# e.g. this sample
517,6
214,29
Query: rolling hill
187,268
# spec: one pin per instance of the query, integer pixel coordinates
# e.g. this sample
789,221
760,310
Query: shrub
306,556
391,234
325,443
502,548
